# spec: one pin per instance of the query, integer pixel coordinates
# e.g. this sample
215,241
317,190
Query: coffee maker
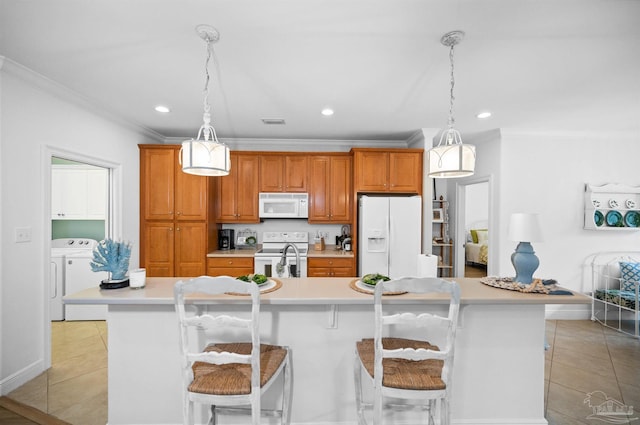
225,239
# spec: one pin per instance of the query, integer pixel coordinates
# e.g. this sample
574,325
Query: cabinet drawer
330,262
330,272
229,271
230,262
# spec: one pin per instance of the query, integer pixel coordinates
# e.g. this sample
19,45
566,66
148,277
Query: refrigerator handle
389,241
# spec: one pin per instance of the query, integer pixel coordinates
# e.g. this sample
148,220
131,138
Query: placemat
277,285
354,285
538,286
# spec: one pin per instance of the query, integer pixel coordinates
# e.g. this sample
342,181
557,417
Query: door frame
460,236
114,218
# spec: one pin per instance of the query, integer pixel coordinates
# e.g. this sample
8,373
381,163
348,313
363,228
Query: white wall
34,115
545,173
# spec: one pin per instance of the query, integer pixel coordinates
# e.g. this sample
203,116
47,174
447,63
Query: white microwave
284,205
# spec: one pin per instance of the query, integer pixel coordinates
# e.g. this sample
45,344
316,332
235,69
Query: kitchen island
498,368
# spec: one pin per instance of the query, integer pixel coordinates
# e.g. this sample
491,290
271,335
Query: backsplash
294,225
91,229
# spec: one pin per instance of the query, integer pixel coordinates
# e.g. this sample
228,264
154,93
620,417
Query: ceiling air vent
273,121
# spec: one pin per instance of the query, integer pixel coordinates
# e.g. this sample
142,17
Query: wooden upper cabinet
283,173
190,195
405,171
330,189
388,170
157,178
237,200
167,192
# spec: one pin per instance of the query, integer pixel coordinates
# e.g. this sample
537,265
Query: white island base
498,368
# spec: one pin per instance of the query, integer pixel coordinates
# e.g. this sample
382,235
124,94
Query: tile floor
74,389
584,357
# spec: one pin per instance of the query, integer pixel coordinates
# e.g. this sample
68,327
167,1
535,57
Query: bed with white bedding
477,247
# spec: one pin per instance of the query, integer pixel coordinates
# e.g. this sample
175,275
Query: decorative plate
614,219
598,218
632,219
596,203
630,203
613,203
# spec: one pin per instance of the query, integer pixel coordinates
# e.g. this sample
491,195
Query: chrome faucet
283,260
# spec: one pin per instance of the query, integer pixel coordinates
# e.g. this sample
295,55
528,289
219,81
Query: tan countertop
327,291
244,252
329,251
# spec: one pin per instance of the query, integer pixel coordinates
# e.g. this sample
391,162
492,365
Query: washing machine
71,272
60,248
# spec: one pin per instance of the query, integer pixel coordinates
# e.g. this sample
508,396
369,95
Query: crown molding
298,145
64,93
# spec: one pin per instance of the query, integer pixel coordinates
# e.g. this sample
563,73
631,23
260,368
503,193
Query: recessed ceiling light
327,112
162,108
483,115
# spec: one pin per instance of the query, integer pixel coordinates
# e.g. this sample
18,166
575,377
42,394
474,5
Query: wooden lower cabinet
331,267
175,249
229,266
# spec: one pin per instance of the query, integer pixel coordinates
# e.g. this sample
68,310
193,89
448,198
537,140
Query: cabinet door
69,194
190,249
372,171
226,202
97,194
340,189
319,184
158,245
295,173
190,195
405,172
247,189
157,183
271,173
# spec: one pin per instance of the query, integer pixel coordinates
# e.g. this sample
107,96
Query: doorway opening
81,198
473,222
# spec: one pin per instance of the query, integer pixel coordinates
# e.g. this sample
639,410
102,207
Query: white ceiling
536,64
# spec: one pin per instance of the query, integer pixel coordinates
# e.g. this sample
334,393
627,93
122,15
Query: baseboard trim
21,377
568,312
30,413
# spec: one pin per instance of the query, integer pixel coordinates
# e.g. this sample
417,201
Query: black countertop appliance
226,239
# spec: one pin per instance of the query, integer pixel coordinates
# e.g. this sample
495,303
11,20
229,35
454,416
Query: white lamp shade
205,158
524,227
456,160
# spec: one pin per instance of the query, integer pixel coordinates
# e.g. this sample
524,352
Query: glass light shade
205,158
447,161
524,227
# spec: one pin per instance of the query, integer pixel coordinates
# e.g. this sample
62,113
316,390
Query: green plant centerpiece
113,257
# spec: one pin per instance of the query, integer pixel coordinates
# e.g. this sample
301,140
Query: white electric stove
273,243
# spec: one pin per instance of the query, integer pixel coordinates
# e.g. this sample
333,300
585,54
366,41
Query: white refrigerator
389,235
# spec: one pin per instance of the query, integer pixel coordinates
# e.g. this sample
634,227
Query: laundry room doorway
81,200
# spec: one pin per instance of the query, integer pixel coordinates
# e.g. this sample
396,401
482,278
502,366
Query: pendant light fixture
451,158
205,155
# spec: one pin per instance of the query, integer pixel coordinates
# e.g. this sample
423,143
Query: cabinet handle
230,262
178,229
178,213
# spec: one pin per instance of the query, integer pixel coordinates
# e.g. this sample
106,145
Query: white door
374,235
405,218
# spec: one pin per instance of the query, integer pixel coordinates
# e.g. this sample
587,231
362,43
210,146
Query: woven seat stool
226,375
413,370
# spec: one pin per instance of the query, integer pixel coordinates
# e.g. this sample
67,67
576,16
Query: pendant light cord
453,82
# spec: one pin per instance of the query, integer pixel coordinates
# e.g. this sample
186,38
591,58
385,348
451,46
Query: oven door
267,266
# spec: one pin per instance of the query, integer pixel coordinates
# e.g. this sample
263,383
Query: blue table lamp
524,228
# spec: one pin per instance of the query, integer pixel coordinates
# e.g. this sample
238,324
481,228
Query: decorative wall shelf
612,207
